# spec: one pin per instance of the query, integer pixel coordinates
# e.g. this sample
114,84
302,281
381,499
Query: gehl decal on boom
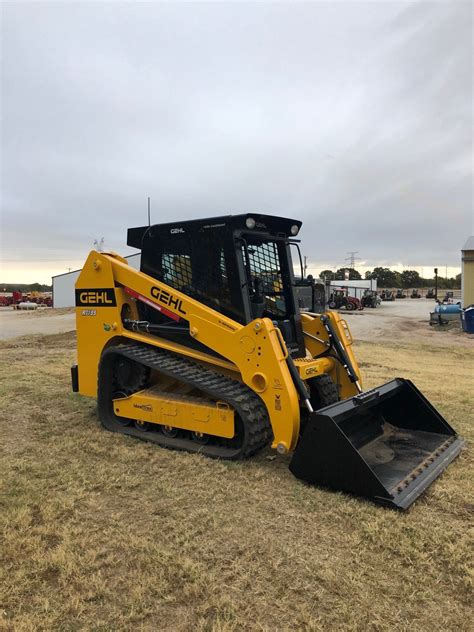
167,299
103,297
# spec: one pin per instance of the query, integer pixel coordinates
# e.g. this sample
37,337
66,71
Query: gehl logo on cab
97,297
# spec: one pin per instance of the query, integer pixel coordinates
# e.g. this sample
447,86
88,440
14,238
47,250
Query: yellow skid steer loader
204,349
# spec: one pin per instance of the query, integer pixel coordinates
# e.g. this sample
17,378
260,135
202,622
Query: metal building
63,284
467,278
356,288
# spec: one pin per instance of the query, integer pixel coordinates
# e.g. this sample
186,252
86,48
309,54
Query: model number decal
89,312
146,407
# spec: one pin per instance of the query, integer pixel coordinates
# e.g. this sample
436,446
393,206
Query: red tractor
340,298
13,299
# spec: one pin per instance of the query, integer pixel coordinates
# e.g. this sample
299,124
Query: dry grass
102,532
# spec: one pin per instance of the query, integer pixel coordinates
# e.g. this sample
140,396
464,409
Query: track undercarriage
179,383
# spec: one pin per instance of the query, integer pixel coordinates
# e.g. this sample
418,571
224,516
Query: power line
352,257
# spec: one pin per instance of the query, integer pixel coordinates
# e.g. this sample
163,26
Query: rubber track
241,398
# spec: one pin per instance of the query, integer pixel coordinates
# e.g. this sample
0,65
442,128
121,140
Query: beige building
467,283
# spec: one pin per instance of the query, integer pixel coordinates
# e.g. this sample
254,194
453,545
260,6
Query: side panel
97,322
178,411
257,349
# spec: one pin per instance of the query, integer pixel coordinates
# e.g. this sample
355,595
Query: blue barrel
447,309
467,319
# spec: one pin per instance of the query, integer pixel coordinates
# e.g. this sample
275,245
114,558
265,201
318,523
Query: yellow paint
255,353
177,411
314,327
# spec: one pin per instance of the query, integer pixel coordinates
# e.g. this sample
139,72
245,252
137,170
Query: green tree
385,277
410,278
326,274
354,275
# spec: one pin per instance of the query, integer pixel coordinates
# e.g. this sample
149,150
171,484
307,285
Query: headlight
250,222
294,230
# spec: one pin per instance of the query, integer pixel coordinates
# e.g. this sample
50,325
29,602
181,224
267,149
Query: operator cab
239,265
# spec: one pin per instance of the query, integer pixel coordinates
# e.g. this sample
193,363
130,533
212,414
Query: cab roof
271,225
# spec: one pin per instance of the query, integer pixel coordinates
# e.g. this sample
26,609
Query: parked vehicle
340,299
311,295
370,298
387,295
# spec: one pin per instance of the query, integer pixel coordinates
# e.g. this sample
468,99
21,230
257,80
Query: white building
63,284
64,296
356,288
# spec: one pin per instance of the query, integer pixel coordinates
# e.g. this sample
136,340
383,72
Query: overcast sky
354,117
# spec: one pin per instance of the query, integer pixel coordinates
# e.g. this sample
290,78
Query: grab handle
282,342
365,397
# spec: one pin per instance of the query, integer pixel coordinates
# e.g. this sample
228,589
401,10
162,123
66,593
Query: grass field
102,532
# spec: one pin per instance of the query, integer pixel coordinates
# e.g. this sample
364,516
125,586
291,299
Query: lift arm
107,283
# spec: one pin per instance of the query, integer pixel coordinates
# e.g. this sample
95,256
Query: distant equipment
370,298
387,295
27,305
445,314
340,298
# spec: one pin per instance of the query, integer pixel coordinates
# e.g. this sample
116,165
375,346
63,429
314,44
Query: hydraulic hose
340,350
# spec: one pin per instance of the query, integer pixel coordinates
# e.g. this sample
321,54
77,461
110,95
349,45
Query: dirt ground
15,323
403,319
103,532
407,320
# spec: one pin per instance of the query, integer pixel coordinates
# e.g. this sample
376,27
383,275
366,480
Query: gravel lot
406,319
402,319
44,321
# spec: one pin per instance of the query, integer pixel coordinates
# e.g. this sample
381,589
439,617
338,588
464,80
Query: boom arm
107,283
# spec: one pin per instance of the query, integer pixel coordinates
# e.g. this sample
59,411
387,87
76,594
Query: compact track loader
204,349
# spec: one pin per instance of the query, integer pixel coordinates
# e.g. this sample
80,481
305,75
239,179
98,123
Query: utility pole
352,257
305,267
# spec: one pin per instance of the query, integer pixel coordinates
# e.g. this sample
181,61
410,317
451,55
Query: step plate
178,411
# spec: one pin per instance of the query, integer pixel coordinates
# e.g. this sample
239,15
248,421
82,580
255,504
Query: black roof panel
270,224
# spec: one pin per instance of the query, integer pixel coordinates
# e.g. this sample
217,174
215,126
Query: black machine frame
240,265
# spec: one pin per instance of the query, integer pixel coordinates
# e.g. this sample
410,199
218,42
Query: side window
177,270
265,282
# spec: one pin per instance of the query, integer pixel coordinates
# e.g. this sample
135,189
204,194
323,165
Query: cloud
353,117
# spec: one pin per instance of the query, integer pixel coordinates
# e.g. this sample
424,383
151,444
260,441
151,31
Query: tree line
25,287
390,278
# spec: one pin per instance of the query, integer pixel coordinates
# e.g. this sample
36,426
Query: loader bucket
388,444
